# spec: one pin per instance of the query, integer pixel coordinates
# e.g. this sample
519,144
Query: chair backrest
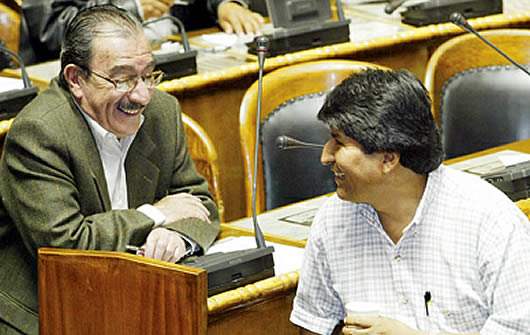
204,155
104,292
9,27
483,108
291,98
479,99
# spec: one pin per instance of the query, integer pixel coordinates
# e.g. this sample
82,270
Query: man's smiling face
117,57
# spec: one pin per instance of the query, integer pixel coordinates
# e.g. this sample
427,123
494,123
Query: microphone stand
262,44
460,21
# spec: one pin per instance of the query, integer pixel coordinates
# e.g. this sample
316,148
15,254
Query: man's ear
72,74
390,160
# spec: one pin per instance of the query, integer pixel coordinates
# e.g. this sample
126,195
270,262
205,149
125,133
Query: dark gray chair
479,99
483,108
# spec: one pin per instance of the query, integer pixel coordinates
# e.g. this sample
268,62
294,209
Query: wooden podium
103,292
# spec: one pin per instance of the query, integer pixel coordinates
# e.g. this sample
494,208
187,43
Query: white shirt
468,245
113,153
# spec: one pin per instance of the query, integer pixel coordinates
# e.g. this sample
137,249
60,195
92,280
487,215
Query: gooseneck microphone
262,48
393,5
182,31
460,21
286,142
24,73
340,11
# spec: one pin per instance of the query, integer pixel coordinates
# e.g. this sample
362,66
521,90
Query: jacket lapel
142,172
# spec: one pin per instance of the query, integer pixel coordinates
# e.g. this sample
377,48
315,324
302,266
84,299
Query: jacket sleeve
46,21
184,178
213,5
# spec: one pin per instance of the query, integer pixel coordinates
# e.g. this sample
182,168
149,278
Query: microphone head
281,142
458,19
262,43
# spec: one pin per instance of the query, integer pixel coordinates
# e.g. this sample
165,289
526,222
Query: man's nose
327,157
141,93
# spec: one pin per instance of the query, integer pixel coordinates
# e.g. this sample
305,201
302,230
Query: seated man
44,22
97,161
439,251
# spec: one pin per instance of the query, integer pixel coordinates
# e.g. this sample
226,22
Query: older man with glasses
98,161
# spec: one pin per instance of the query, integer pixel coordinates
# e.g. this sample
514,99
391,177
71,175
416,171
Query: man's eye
148,76
124,80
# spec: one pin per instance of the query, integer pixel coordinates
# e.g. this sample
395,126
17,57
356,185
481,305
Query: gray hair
89,23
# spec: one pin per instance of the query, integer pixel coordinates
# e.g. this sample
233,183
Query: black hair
387,111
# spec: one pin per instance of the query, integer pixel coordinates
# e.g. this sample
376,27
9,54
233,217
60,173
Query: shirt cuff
242,3
153,213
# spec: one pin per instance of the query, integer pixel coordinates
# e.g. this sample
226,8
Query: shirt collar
429,194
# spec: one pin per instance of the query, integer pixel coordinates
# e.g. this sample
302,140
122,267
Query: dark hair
90,22
387,111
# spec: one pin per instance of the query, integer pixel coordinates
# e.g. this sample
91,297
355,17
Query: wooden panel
102,292
260,308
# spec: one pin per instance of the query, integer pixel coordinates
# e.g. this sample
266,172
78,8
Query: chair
9,26
291,98
479,99
204,155
114,293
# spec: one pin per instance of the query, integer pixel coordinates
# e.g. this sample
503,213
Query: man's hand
376,326
181,206
233,18
165,245
155,8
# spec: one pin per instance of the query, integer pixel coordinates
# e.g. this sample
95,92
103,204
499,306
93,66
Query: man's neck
399,202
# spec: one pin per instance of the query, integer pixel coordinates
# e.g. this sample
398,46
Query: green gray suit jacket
54,191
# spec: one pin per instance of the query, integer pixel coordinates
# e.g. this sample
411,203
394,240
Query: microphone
262,48
340,11
460,21
175,65
12,101
232,269
393,5
285,142
25,77
184,37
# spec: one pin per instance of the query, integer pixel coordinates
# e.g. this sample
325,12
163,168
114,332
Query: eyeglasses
128,84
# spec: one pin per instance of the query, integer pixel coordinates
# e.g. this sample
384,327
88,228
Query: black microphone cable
460,21
25,76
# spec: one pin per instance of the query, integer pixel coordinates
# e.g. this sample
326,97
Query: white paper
494,162
283,221
8,84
